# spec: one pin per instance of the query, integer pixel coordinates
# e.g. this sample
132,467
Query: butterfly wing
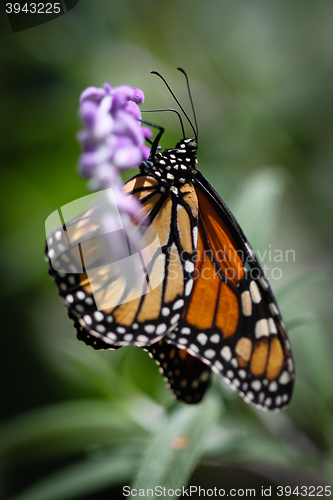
142,314
232,322
185,374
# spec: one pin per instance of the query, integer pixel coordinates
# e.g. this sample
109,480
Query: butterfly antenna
191,100
167,109
175,98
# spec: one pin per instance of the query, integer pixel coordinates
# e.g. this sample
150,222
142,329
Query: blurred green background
79,423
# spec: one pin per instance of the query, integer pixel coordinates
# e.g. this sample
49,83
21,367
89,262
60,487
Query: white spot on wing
256,385
87,319
161,328
246,303
98,316
272,326
100,328
284,378
218,365
209,353
189,266
149,328
202,338
273,386
178,304
142,338
175,319
274,310
264,282
188,287
261,328
195,236
194,348
226,353
290,365
255,294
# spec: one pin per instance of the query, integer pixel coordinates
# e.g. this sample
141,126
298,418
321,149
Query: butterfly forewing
143,313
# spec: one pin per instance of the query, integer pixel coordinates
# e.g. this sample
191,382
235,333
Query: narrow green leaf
65,428
107,382
177,446
258,203
315,353
312,277
83,478
296,322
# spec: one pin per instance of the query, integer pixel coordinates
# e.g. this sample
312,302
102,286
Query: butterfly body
213,309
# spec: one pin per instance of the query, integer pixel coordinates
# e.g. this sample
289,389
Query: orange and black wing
106,308
232,322
186,375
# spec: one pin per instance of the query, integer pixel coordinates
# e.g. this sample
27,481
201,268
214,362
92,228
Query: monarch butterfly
213,310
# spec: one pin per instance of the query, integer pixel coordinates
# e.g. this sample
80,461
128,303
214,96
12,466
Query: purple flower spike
111,117
113,140
138,96
92,94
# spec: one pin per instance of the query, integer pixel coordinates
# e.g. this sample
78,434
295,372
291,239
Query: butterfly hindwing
186,375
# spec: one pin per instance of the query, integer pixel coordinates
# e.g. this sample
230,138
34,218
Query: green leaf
296,322
105,379
315,353
312,277
64,429
84,478
258,204
175,449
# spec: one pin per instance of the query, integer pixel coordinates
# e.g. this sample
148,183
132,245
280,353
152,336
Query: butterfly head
176,166
189,145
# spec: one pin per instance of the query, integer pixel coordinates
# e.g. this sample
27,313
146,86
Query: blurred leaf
296,322
257,205
104,378
83,478
256,438
64,429
329,469
316,357
175,449
312,277
22,268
